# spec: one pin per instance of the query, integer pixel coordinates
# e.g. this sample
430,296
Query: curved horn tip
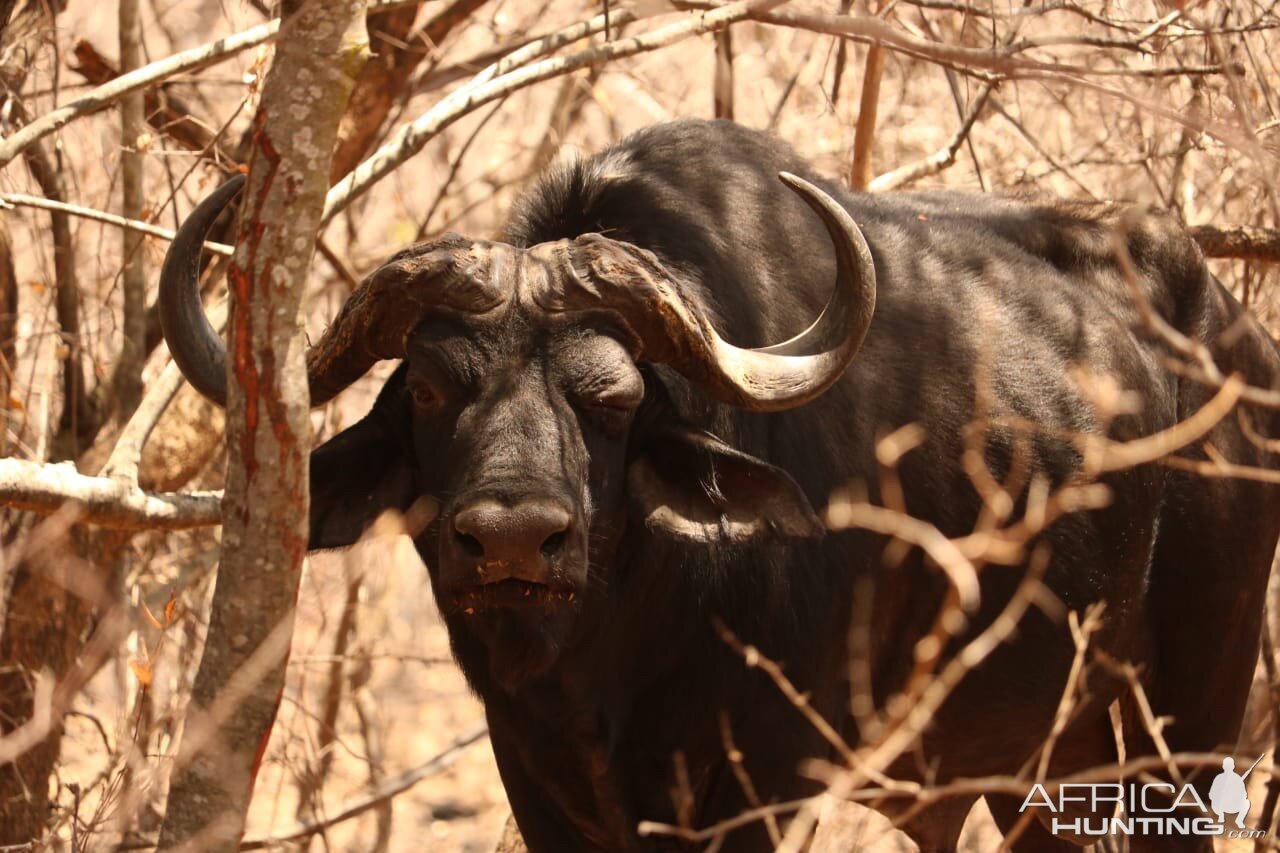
839,221
815,195
229,190
197,348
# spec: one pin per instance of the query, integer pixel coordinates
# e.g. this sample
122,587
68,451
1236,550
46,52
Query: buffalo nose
514,540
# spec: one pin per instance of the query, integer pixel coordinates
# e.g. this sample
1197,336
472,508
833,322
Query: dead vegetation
375,744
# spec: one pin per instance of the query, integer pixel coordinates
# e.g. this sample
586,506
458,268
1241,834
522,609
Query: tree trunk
241,676
8,337
133,347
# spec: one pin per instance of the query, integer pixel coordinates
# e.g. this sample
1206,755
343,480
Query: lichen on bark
320,52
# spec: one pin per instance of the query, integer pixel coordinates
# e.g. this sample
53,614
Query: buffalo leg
1088,742
937,828
1034,837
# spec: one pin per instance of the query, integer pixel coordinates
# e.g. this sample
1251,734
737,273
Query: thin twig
940,159
722,85
391,788
108,93
492,84
22,200
844,514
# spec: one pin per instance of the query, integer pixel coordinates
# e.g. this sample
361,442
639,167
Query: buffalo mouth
511,594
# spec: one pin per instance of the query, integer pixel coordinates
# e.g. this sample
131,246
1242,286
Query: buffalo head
526,408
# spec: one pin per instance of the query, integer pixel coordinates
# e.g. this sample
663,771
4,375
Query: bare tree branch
1245,242
127,454
106,501
22,200
8,337
165,111
388,73
493,83
939,160
78,421
108,93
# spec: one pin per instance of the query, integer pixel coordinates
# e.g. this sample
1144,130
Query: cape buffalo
627,464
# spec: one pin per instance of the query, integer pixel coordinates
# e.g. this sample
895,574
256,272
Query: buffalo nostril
521,536
554,544
470,545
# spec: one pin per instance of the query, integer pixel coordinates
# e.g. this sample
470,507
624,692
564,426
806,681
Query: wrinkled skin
601,519
522,407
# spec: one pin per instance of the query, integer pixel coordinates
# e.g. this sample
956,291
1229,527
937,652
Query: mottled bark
241,675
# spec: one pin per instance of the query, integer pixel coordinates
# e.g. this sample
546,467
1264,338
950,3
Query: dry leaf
141,671
171,610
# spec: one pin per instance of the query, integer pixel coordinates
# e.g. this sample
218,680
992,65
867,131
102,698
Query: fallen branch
105,501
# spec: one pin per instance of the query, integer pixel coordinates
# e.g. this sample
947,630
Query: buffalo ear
362,472
693,486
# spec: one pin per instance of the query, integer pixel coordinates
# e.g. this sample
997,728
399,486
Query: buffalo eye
617,400
611,409
423,394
